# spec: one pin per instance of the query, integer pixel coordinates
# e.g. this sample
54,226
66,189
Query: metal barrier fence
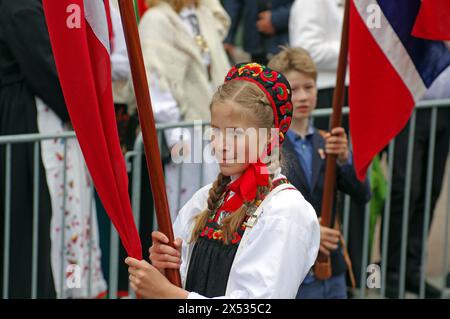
135,165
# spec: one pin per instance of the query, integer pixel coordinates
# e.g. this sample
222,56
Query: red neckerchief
245,187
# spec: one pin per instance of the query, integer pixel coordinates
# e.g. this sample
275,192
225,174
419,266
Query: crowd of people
189,48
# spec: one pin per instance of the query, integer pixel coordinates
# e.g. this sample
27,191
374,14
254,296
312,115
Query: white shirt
120,66
316,26
281,249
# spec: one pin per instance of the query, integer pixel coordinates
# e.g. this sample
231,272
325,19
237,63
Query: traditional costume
278,241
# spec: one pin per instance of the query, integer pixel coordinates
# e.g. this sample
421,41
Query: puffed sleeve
282,247
166,111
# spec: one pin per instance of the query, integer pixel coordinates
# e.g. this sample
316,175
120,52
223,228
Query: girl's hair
256,108
176,5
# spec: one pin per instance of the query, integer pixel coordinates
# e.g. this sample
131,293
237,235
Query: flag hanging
433,21
390,71
80,38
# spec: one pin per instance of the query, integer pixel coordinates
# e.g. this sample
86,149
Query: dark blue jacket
248,10
346,182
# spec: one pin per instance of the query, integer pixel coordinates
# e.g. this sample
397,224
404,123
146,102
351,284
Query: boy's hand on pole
336,143
329,239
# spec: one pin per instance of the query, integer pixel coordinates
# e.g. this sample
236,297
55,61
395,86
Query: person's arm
280,17
307,30
27,37
282,247
166,111
120,65
148,280
348,183
234,8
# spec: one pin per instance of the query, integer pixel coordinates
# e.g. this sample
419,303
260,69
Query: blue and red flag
390,70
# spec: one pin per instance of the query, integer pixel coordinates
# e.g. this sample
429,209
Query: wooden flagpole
147,122
322,267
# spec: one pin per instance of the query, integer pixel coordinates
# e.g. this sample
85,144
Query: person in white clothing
250,234
316,26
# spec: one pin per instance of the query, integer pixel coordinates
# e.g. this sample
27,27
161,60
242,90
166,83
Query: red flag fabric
80,41
390,70
433,21
142,7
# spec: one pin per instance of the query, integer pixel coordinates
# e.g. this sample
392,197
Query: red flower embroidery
269,76
217,235
210,233
282,91
254,68
236,238
231,73
284,124
286,108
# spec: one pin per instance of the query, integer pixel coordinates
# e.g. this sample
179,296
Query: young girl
250,234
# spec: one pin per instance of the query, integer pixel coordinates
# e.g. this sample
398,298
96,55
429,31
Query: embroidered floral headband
275,86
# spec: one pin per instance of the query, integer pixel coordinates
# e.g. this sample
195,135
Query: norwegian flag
390,70
80,34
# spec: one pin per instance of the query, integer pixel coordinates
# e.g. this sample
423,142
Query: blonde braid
215,193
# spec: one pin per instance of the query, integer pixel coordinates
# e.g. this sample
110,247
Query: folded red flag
81,43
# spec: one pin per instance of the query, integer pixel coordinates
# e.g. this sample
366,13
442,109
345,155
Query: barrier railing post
406,205
428,192
7,233
34,254
386,220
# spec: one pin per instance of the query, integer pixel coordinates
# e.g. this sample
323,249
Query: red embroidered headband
274,85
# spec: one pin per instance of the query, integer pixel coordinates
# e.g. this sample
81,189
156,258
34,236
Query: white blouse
281,249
